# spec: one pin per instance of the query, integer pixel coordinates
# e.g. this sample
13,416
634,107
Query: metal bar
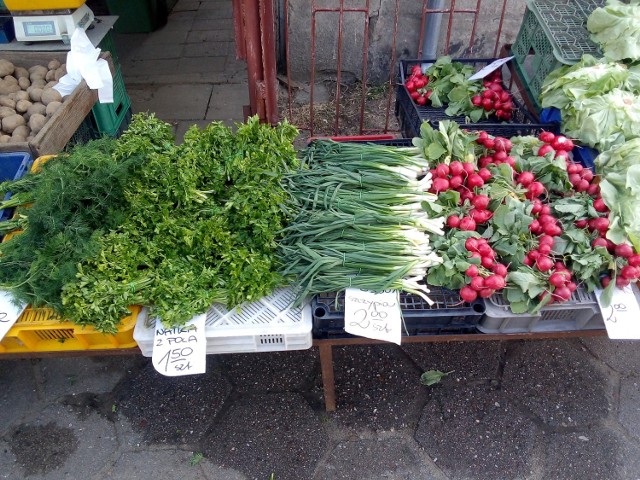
473,28
365,57
268,44
336,128
448,40
255,73
328,380
238,29
392,70
313,65
499,34
288,58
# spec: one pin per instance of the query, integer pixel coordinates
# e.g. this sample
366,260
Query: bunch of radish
494,98
497,150
417,85
561,283
558,144
486,279
627,266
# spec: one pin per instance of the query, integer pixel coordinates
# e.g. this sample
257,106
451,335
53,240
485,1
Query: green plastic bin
138,16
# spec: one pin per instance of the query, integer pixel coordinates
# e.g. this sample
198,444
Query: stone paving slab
623,356
224,102
19,392
172,102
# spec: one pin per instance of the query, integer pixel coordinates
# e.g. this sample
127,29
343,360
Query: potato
8,87
22,131
10,123
50,95
6,67
21,72
22,106
54,64
6,112
36,122
37,71
21,95
38,83
7,101
52,108
29,138
24,83
10,79
60,72
50,84
5,138
50,75
36,107
35,93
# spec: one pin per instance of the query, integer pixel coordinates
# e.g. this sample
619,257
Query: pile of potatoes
27,99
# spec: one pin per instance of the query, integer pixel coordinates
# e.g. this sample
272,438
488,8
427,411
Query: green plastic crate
553,33
138,16
109,116
107,44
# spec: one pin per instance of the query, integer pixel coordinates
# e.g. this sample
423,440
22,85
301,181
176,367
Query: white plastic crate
581,312
267,325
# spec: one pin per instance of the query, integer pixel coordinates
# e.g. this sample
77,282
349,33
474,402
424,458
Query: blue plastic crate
12,167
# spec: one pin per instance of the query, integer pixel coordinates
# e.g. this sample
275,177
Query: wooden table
326,353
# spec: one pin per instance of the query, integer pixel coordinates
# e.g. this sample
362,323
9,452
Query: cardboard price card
622,315
9,312
181,350
373,315
483,72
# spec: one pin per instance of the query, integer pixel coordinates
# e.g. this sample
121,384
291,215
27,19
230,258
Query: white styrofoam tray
267,325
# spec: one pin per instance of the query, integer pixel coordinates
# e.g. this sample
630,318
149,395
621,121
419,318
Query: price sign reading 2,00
615,308
177,359
4,317
372,314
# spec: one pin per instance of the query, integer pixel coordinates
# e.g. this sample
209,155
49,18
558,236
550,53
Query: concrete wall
381,27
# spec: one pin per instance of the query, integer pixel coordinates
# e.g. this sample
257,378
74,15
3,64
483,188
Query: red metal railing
336,20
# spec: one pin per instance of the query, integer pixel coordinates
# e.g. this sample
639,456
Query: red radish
601,224
475,255
440,185
469,168
586,174
477,283
477,215
510,161
442,170
599,205
563,293
482,135
593,190
544,263
487,262
545,218
468,294
581,186
533,254
455,168
546,297
535,226
528,262
623,250
634,260
481,202
486,293
502,144
471,244
496,87
629,272
500,156
485,174
572,286
599,242
537,206
582,223
456,181
505,96
486,250
410,85
500,269
453,221
422,100
561,154
557,279
487,104
474,181
622,282
544,149
415,94
487,94
495,282
476,100
574,178
547,137
525,178
467,224
535,189
471,271
574,168
562,143
544,249
545,210
546,240
489,143
605,281
484,162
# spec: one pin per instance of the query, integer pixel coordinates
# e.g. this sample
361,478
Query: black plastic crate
448,314
13,165
410,115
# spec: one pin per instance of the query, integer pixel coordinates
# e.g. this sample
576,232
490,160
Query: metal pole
431,32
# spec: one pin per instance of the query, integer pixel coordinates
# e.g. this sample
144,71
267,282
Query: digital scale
51,24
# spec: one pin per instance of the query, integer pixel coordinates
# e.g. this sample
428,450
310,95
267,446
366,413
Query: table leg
328,382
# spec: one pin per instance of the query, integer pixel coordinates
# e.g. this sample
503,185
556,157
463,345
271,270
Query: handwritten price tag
483,72
9,312
181,350
622,316
373,315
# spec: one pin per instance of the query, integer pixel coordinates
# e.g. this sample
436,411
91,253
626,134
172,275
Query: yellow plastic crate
40,330
22,5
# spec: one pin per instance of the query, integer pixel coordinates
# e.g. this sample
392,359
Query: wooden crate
65,122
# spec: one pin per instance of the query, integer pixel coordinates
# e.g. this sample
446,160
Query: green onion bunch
358,219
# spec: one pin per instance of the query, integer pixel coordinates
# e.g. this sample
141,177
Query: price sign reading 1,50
180,350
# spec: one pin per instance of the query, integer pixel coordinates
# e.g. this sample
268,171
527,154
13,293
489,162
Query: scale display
36,29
